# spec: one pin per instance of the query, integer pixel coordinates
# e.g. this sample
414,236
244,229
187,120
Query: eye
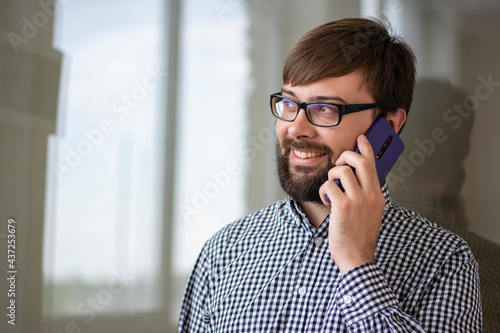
288,104
324,109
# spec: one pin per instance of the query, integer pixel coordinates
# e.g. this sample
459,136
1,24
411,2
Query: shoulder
415,253
407,229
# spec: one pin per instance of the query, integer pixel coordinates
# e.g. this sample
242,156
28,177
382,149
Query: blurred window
103,253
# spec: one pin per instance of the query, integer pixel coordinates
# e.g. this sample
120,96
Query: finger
345,174
365,148
345,156
367,174
364,163
330,192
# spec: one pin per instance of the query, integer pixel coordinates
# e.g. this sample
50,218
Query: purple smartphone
386,144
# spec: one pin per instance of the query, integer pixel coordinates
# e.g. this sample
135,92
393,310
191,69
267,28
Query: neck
315,212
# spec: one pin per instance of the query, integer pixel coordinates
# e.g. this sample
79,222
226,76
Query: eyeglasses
318,113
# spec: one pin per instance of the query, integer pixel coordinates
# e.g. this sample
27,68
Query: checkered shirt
272,271
486,253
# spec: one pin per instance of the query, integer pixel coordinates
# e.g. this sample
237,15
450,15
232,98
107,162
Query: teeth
307,155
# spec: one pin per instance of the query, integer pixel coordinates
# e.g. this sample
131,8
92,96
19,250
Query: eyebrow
318,98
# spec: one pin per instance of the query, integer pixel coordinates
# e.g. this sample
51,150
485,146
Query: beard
302,182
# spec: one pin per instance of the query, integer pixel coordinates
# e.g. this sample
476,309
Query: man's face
305,152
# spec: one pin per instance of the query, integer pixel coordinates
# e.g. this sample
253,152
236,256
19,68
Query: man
327,260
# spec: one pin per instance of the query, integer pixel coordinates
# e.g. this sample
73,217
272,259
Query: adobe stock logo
220,180
31,26
224,6
93,306
454,116
121,107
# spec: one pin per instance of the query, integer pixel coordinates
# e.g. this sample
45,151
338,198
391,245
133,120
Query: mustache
289,143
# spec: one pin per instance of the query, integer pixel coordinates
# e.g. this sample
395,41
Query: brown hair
341,47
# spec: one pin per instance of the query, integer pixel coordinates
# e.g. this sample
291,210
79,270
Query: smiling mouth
305,155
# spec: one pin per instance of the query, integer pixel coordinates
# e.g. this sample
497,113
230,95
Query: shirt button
302,291
347,299
318,241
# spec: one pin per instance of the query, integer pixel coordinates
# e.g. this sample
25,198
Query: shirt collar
298,217
387,197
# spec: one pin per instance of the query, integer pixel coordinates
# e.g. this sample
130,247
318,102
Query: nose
301,127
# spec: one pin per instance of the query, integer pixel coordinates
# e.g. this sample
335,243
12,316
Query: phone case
387,146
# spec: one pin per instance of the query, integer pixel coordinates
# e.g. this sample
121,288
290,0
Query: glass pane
214,71
104,212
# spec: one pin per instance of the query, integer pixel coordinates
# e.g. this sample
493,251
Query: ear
396,119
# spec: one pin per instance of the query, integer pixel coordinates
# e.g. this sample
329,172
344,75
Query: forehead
349,88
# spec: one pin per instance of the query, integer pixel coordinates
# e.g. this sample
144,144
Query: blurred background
131,131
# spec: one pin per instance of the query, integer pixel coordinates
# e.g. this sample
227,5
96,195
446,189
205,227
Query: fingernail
363,138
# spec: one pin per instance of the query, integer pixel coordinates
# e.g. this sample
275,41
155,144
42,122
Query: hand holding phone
355,217
387,146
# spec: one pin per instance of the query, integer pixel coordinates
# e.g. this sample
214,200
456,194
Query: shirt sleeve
450,302
192,316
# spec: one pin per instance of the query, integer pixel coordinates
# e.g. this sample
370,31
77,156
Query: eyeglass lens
319,114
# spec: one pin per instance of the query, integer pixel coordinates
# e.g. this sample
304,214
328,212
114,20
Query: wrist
345,264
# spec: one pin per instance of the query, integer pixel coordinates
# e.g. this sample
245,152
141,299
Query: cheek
353,126
345,142
281,130
339,142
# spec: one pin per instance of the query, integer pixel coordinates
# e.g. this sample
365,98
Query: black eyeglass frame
343,108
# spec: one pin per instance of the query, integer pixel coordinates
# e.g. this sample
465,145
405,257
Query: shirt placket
305,291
